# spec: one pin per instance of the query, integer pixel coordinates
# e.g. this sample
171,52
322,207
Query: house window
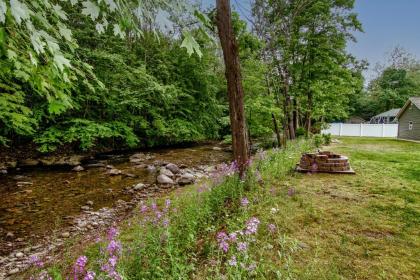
410,125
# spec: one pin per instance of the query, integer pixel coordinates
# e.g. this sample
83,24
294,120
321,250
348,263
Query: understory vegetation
275,224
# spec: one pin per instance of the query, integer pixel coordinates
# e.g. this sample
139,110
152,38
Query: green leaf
19,11
65,32
191,44
3,9
90,9
59,11
60,61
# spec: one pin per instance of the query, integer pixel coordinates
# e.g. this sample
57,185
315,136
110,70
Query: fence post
383,130
340,130
361,130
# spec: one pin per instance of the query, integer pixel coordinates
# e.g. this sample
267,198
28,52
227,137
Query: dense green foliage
392,87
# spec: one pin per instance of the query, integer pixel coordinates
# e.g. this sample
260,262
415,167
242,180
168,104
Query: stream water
34,202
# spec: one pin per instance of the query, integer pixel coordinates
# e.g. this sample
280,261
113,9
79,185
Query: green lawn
363,226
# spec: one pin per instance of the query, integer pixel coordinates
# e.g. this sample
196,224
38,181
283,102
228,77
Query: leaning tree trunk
234,82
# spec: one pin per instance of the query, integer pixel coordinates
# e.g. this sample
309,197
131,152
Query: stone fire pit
324,162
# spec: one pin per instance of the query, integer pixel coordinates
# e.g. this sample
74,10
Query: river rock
95,165
163,179
10,164
173,168
90,203
166,172
65,234
10,235
186,179
85,208
78,168
3,171
139,186
217,149
19,255
114,172
13,271
151,168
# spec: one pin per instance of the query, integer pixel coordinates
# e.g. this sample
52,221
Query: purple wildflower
222,239
291,192
242,246
232,261
167,203
113,247
90,275
144,209
112,233
35,260
271,228
252,226
79,266
233,237
154,206
165,222
252,267
244,201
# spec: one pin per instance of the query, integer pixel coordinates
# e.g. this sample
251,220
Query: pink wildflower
222,239
271,228
242,246
232,261
252,226
244,201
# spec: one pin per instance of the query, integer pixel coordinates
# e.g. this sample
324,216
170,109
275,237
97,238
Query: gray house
409,119
386,117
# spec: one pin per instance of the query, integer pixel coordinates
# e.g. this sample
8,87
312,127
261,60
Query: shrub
318,140
300,131
327,138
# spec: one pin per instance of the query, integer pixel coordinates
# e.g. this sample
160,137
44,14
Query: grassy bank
277,224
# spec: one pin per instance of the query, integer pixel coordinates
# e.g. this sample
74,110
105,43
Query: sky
386,23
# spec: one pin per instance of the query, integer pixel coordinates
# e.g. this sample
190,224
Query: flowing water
33,202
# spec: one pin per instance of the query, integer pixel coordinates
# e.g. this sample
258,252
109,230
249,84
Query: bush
318,140
327,138
300,132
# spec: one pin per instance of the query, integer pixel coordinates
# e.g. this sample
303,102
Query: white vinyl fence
363,129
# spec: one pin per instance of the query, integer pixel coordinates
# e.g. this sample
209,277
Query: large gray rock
139,186
173,168
186,179
163,179
166,172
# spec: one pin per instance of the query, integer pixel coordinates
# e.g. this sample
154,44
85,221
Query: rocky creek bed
40,208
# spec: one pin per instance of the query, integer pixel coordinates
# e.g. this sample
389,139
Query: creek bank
86,201
91,223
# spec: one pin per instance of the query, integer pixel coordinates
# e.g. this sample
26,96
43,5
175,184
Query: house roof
390,113
412,100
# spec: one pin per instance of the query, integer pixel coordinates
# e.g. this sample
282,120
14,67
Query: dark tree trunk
234,83
295,115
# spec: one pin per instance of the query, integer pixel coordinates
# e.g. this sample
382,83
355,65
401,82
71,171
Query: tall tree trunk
309,113
295,115
234,82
